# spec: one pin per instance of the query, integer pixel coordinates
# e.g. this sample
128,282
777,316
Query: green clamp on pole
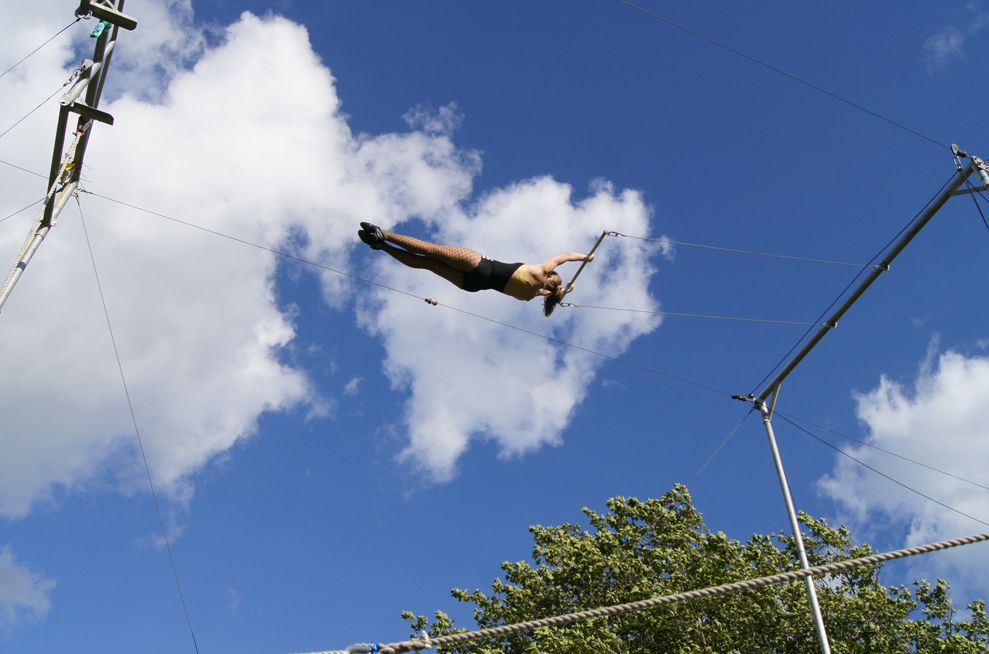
98,30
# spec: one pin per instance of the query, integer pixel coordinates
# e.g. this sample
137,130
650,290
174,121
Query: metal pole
767,421
33,243
879,269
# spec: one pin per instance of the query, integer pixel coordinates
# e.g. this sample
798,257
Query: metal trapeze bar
569,286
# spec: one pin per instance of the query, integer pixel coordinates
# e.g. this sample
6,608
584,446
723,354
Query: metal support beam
815,607
32,244
879,269
64,175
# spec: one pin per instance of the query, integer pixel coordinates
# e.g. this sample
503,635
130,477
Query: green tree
642,549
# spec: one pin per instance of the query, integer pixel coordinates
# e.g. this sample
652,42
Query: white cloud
445,120
947,47
233,598
944,48
942,421
353,387
468,378
24,595
197,320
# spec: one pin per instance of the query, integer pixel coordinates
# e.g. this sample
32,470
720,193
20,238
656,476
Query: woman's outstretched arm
551,264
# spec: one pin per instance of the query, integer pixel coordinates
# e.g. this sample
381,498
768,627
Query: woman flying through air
469,270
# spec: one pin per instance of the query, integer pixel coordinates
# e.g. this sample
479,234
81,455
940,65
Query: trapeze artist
469,270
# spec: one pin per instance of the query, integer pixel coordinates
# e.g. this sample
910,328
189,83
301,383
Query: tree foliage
642,549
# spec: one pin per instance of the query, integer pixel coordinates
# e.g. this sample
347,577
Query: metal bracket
105,11
89,113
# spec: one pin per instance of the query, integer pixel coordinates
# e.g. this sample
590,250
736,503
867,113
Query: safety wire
724,442
371,282
21,210
20,120
842,452
23,169
30,54
756,253
978,207
873,446
137,432
848,286
704,316
780,71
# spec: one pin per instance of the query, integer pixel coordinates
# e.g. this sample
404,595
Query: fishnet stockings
459,258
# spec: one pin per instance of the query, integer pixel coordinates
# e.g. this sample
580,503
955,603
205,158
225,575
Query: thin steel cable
756,253
137,431
784,73
28,114
720,447
21,210
883,450
276,252
22,168
371,282
883,474
848,286
417,644
608,357
978,207
30,54
704,316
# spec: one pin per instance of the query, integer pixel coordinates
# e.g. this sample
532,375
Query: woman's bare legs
421,261
453,256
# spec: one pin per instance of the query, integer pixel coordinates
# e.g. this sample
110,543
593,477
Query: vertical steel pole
767,421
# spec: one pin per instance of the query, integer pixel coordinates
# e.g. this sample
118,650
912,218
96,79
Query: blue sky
329,454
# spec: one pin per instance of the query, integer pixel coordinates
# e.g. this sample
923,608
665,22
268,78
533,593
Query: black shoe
373,243
374,232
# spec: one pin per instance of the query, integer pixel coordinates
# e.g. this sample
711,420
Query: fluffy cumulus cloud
197,319
941,420
24,594
470,378
947,46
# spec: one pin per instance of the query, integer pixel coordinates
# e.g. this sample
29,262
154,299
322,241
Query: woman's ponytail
556,293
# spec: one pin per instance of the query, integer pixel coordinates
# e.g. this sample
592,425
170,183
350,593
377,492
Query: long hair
556,293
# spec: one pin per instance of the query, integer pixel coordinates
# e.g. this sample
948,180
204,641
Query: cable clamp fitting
430,300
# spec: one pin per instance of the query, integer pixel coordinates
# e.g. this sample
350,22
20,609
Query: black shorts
489,274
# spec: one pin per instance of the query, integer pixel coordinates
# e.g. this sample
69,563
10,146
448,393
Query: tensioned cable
371,282
626,362
848,286
28,114
22,168
137,431
704,316
30,54
976,191
21,210
883,474
784,73
720,447
426,642
756,253
883,450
